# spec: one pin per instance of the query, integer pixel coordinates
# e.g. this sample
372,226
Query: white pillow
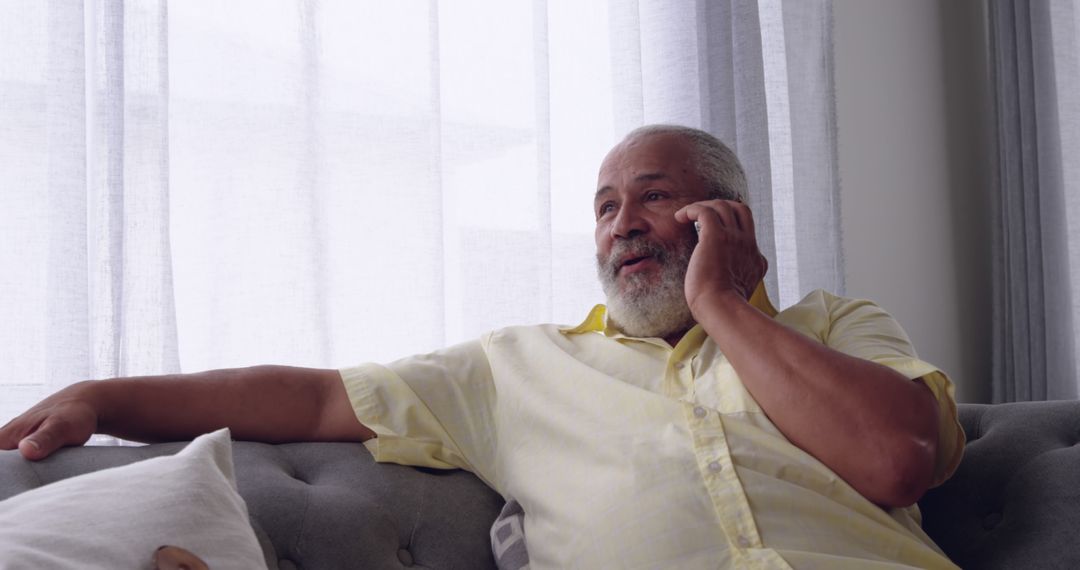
117,518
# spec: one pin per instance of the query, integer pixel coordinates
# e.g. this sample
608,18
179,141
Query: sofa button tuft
991,520
405,557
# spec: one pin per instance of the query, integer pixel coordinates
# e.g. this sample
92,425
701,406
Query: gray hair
716,164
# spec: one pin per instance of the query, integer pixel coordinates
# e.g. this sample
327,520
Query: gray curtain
1036,245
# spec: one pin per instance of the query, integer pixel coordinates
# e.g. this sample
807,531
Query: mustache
637,246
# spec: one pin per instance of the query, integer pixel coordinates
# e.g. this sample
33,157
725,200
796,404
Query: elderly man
687,425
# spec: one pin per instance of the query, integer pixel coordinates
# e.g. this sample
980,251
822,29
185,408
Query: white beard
644,308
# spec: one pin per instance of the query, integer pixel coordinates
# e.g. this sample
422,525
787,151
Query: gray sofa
1013,503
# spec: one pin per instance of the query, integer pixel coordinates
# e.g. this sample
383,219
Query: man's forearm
866,422
261,403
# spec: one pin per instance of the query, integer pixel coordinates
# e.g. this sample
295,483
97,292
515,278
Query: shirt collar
597,320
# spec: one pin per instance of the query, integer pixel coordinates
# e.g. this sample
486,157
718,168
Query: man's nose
628,222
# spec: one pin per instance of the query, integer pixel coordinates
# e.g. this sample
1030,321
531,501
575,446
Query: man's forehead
646,152
643,158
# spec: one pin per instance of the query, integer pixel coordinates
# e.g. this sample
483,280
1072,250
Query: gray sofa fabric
1013,503
322,505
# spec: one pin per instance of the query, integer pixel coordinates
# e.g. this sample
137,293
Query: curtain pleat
147,335
62,350
309,185
105,186
627,92
814,162
542,108
1034,285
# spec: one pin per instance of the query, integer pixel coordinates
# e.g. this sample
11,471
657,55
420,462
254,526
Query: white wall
911,107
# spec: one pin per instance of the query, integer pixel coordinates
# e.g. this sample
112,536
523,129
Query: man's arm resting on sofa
262,403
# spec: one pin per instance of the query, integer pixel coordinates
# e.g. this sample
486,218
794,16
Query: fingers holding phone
727,258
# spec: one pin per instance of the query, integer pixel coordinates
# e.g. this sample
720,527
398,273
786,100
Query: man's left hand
726,259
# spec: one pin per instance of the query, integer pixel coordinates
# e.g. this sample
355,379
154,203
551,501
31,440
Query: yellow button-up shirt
629,453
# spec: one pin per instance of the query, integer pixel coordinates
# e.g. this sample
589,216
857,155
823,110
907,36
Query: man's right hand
65,418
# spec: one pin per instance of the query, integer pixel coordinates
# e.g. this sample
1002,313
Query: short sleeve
431,410
862,329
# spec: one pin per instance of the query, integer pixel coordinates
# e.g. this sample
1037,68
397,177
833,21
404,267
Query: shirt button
715,466
699,411
680,366
743,541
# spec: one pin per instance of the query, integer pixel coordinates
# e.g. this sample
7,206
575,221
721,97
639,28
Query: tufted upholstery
1013,503
323,505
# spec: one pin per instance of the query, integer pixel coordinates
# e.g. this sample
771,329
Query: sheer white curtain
1035,50
192,185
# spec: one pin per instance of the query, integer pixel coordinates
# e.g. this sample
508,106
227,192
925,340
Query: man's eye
651,196
605,208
